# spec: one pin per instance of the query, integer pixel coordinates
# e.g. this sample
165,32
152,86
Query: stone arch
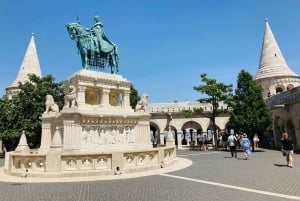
291,131
228,127
154,132
209,131
289,86
190,130
279,89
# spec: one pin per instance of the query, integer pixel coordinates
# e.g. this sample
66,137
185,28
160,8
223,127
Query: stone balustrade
284,98
92,163
175,107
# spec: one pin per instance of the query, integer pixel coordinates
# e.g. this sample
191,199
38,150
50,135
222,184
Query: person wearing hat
245,142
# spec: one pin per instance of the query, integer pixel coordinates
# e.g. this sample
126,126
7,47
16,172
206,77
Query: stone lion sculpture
142,104
71,97
51,106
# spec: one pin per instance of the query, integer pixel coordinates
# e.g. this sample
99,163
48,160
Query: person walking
245,142
231,141
224,141
200,142
255,141
287,148
205,141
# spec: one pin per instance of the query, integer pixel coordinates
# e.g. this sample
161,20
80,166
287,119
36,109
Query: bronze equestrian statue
94,47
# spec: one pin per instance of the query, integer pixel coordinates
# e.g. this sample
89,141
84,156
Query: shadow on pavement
280,165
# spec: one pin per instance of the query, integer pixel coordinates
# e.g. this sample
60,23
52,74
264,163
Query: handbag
284,152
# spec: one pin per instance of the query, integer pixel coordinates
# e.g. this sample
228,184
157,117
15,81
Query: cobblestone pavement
213,176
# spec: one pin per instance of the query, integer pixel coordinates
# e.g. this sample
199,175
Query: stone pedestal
53,161
96,133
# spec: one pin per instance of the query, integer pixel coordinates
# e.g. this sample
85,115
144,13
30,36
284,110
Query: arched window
279,90
289,86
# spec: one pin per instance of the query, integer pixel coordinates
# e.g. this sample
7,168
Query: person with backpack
245,142
287,148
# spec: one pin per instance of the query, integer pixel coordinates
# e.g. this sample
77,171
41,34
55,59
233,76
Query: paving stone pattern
265,171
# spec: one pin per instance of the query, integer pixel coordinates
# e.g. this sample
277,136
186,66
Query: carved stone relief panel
103,136
103,162
87,163
91,96
130,160
71,163
114,99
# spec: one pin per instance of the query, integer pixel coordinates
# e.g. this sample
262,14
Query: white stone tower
274,75
30,65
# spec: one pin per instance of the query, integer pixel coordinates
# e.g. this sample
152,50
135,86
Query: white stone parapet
179,106
283,98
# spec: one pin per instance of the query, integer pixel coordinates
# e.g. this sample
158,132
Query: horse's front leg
84,60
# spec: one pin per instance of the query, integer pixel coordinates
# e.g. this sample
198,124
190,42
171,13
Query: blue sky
164,44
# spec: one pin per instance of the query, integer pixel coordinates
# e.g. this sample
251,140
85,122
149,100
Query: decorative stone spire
56,141
272,62
22,146
274,75
170,139
30,65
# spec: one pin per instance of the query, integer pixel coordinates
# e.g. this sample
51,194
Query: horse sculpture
94,50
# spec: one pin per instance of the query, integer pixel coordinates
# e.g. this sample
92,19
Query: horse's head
75,30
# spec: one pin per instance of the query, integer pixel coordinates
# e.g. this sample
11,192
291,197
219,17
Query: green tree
188,112
134,97
250,113
216,92
23,111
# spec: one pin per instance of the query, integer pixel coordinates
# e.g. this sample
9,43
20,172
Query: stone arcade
96,133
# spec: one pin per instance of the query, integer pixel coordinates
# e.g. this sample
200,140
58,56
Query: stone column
105,97
179,140
72,132
126,99
48,128
46,135
196,138
81,96
142,131
53,157
162,138
184,136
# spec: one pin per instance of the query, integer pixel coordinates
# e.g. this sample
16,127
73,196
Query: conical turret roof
30,65
272,62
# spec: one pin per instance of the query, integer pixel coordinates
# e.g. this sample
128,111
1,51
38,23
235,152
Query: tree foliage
188,112
216,93
250,112
134,97
23,111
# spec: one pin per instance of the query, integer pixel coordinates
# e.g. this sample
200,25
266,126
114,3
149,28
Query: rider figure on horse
104,44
